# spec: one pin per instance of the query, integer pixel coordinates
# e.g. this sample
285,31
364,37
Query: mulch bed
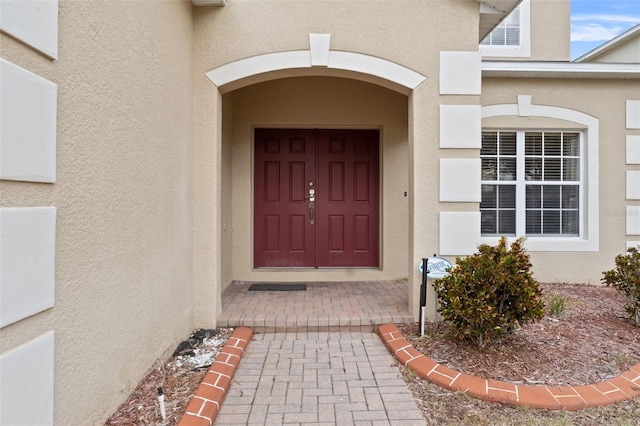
591,341
179,378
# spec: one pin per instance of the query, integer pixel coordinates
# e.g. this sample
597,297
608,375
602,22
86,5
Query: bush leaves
490,293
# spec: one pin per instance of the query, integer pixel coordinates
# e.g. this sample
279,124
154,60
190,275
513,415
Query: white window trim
590,228
521,51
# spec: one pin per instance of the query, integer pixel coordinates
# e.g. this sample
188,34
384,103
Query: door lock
312,205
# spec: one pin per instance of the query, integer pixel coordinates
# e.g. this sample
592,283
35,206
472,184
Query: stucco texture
123,252
550,29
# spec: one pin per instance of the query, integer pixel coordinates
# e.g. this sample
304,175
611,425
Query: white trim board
27,125
34,22
532,69
27,262
318,60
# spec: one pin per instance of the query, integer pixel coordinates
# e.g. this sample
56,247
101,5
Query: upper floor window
507,33
531,183
511,38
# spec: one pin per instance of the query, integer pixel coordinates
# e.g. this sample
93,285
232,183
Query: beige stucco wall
381,29
324,103
550,30
584,96
123,250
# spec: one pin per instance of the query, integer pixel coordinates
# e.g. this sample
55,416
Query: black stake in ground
423,294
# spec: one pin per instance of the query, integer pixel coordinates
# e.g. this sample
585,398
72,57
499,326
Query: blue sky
593,22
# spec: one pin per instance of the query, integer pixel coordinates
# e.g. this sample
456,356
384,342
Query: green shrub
490,293
626,279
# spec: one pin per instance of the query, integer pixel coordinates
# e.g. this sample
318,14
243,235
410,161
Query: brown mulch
179,378
591,341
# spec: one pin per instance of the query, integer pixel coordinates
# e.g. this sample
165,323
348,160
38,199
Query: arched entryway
358,92
316,106
324,110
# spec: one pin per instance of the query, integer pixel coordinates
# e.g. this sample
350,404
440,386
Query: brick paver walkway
315,378
315,359
353,306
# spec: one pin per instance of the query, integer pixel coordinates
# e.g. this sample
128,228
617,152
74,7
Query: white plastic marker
163,413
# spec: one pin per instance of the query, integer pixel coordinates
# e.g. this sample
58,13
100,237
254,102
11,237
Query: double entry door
316,198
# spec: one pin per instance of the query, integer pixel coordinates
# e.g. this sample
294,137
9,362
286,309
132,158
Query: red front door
316,198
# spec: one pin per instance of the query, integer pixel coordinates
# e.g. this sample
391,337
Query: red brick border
572,398
205,405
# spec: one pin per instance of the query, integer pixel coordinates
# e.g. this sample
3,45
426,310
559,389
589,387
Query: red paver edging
205,405
572,398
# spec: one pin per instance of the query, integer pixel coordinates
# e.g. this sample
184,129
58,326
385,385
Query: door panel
342,167
284,165
348,212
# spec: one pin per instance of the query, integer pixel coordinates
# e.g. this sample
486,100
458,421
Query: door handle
312,206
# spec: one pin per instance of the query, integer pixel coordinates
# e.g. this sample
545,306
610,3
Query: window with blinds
499,166
507,33
531,183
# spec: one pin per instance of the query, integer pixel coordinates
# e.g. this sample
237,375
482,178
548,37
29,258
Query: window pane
513,19
533,143
552,143
533,196
506,222
507,143
512,25
571,145
498,37
571,169
533,168
512,36
489,143
507,196
551,199
488,221
534,225
570,224
507,169
488,197
552,168
489,169
551,222
570,198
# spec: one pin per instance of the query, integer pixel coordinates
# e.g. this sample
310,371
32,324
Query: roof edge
559,69
609,45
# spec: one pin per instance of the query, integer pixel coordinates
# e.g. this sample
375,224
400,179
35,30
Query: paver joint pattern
349,378
318,378
572,398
